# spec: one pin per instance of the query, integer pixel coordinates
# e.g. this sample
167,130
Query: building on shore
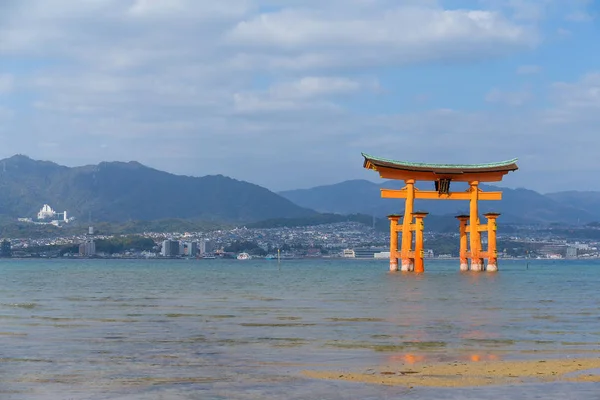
87,248
553,250
206,246
188,249
348,253
5,248
369,252
170,248
382,255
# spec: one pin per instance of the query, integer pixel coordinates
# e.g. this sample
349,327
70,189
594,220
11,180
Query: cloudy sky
287,94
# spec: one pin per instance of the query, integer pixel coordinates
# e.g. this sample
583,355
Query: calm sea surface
212,329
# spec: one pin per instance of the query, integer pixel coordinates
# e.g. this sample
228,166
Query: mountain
585,200
517,205
348,197
119,191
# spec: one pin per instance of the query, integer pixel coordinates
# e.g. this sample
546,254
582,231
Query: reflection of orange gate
442,175
410,358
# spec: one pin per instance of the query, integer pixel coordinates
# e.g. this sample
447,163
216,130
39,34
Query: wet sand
467,374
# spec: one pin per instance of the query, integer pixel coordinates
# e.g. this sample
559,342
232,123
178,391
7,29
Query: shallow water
214,329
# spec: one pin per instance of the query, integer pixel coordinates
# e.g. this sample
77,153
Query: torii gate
442,175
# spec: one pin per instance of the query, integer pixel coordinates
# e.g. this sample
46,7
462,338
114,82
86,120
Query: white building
348,253
46,212
382,255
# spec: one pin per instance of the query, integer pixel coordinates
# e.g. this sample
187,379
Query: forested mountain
117,191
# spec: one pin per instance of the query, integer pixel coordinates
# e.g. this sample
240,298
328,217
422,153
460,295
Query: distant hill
517,205
118,191
587,201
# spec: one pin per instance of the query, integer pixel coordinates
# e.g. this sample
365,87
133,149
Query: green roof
507,163
372,162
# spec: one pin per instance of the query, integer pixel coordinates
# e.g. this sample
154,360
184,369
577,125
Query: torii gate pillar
407,236
419,252
492,265
394,218
464,261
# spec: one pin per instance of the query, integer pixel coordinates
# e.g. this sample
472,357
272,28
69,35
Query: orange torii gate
442,175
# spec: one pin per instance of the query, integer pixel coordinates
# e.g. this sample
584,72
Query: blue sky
287,94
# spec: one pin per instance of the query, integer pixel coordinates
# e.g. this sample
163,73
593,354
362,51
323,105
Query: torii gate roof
395,169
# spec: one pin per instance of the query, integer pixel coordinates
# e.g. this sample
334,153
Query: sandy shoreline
465,374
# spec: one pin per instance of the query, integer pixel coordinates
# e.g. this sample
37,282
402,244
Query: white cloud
532,10
404,27
529,69
189,9
314,86
579,16
563,32
539,10
5,114
233,35
6,83
390,36
578,97
308,93
512,98
251,103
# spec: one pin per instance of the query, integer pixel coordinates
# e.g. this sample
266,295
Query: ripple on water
181,315
545,316
491,342
356,319
283,341
27,306
178,340
262,298
274,325
387,347
24,360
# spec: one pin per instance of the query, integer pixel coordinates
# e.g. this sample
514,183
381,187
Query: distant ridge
517,205
122,191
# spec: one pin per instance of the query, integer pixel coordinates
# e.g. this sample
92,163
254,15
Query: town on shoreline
349,240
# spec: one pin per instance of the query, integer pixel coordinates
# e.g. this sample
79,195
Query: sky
287,94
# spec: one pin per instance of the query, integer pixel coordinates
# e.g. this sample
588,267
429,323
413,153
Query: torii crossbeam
442,175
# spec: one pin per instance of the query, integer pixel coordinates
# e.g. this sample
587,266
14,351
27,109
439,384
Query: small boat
244,256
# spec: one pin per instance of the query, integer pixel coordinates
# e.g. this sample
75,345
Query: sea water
229,329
